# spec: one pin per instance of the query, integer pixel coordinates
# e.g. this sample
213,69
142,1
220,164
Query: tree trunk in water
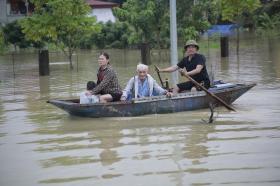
44,67
13,60
224,46
145,53
70,60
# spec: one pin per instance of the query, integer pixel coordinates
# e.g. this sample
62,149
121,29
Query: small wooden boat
155,105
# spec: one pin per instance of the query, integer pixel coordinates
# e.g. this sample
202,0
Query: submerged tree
235,10
195,17
2,41
13,34
64,23
148,18
112,35
268,25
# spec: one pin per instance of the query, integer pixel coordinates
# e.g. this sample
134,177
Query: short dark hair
105,54
90,85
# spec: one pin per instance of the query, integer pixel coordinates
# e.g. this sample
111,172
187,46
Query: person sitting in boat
87,97
107,82
193,64
142,85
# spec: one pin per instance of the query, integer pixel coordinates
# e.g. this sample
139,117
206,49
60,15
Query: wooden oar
157,70
210,94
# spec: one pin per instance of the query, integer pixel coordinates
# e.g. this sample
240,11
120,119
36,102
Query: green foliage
234,10
268,25
190,33
148,18
63,22
112,35
267,22
13,34
194,18
2,41
271,8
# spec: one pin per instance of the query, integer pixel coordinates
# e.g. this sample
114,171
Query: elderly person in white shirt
142,85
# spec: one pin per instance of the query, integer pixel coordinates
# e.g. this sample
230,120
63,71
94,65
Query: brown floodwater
42,145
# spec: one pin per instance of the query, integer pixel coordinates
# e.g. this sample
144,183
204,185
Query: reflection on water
40,144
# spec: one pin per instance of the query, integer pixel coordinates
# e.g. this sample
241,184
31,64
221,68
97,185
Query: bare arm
193,72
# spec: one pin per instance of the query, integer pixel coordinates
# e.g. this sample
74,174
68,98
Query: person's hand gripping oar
168,94
158,73
184,73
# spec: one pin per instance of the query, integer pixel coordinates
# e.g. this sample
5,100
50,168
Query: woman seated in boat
107,82
142,85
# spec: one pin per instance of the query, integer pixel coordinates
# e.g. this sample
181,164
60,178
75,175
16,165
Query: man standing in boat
193,65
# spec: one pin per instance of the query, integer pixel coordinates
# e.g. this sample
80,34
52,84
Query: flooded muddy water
42,145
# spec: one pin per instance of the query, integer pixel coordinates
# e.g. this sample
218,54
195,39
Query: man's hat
191,42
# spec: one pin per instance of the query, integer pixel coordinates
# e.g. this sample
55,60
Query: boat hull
153,105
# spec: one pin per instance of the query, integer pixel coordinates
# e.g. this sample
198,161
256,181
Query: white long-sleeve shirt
132,87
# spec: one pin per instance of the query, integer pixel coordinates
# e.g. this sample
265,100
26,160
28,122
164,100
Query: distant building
102,10
11,10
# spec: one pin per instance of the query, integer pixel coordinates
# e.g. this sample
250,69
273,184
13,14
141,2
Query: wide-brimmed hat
191,42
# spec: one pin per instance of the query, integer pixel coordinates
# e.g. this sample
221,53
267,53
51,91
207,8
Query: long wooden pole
210,94
157,70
